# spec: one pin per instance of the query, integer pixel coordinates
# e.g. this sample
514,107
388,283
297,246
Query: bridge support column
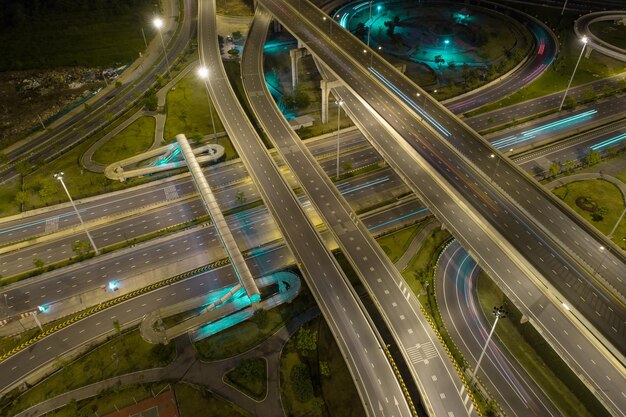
401,67
295,55
277,27
588,51
326,85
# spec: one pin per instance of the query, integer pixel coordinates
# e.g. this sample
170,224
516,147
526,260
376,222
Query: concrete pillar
588,51
325,92
326,85
295,55
401,67
277,27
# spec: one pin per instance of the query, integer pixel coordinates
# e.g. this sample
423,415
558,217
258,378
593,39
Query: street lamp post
158,24
495,170
500,313
203,72
6,300
59,176
339,103
563,9
369,24
585,40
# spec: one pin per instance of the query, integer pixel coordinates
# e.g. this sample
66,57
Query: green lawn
128,353
136,138
609,31
195,401
250,377
541,363
246,335
602,193
395,244
90,36
41,189
108,401
235,7
188,109
333,395
557,76
424,257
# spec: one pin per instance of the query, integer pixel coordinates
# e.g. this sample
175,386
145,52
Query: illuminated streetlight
499,313
584,40
158,24
203,72
339,103
59,176
492,156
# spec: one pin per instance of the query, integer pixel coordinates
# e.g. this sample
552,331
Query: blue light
379,7
447,41
409,101
114,285
43,308
530,134
609,142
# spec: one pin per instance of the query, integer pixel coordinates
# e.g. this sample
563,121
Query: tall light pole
492,156
59,176
369,26
500,313
585,40
203,72
563,9
158,24
330,26
339,103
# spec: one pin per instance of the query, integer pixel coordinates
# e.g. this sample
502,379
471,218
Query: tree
568,166
3,158
451,65
161,353
38,262
117,327
555,169
234,53
260,318
21,197
23,167
599,214
47,190
439,60
118,84
301,380
592,158
325,369
240,197
81,248
347,166
306,340
150,101
360,30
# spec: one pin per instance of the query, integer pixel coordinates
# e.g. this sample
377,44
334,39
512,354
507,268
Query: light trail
530,134
409,101
609,142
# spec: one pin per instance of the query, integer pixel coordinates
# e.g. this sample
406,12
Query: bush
301,382
161,353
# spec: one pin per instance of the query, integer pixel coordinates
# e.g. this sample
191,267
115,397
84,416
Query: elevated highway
375,380
419,142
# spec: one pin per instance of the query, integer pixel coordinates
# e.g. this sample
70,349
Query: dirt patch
587,204
30,95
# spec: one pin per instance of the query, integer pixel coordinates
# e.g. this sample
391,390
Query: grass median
123,354
249,377
599,202
134,139
534,354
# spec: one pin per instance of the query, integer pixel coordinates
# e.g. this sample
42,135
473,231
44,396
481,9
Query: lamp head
203,72
158,23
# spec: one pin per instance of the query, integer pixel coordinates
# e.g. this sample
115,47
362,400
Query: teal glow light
612,141
222,324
